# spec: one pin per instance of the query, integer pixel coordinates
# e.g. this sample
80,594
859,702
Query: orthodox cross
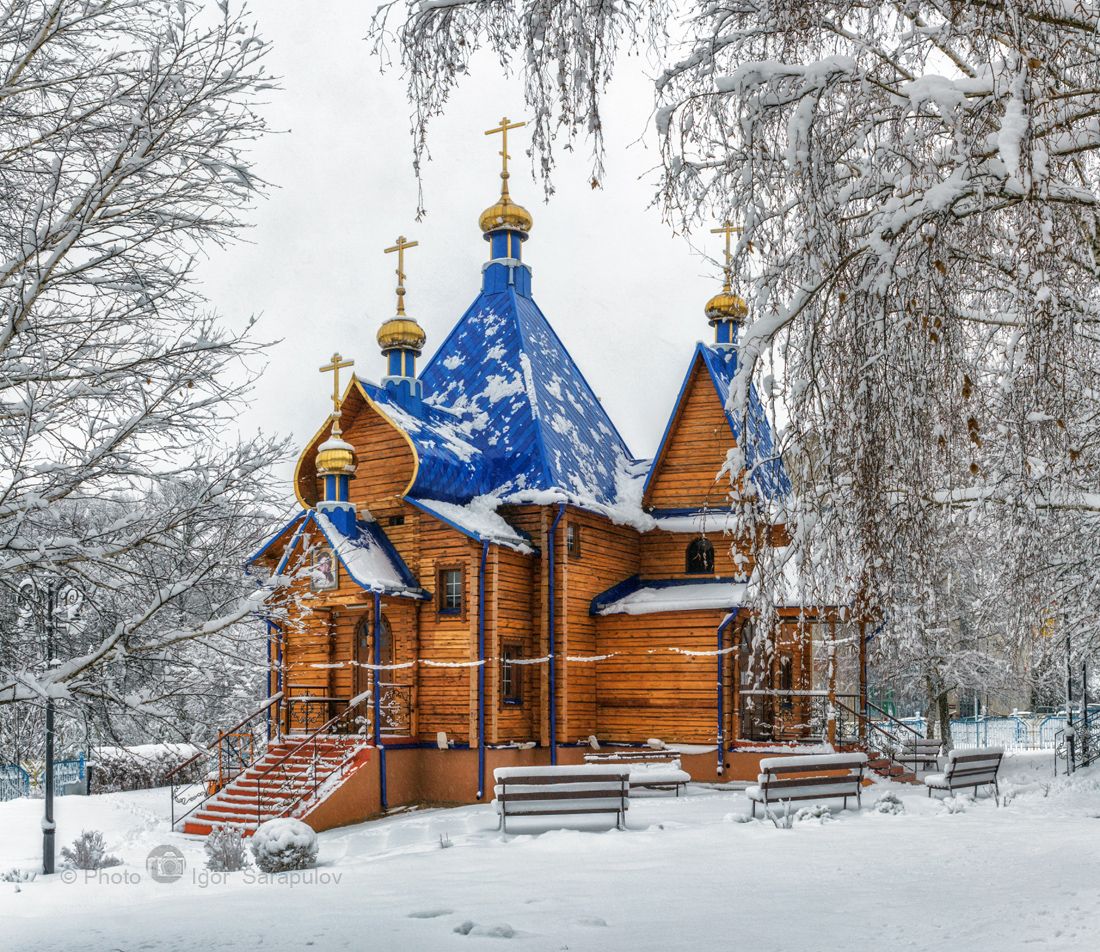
729,230
337,364
503,129
402,244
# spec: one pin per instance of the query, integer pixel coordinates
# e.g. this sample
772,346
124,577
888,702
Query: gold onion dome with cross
505,213
725,305
335,456
401,332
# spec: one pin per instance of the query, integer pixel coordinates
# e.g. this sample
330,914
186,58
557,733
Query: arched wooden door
395,703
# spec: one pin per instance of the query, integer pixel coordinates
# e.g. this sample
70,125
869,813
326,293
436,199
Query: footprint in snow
500,931
592,921
430,914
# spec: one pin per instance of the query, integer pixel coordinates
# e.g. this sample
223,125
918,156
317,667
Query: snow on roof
636,597
514,393
478,519
370,562
711,520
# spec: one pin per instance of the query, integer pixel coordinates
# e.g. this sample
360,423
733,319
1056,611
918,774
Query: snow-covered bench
919,753
649,769
812,777
968,768
561,791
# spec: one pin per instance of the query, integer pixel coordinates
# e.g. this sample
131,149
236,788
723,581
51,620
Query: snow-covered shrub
955,804
784,822
225,852
284,844
89,851
14,875
889,803
738,818
115,769
818,813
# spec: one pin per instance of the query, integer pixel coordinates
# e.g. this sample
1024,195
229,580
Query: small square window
511,675
450,591
397,520
573,539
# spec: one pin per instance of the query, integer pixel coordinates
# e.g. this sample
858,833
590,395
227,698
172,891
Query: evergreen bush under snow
225,852
284,844
89,851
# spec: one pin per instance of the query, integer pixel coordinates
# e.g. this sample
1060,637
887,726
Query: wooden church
483,574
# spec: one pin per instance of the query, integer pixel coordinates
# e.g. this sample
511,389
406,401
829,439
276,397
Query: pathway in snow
688,874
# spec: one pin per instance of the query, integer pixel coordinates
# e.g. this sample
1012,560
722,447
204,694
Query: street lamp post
48,595
49,828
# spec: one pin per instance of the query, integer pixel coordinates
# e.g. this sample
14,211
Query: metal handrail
274,699
885,749
890,717
289,782
213,755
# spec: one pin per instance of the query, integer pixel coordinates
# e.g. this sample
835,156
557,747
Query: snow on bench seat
561,791
968,768
813,777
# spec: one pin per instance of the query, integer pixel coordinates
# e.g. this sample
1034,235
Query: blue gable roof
762,460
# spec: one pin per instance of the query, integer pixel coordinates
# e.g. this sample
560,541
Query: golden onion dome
726,306
401,333
505,214
335,456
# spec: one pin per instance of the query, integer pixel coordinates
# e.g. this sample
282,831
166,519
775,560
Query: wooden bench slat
814,768
807,782
507,797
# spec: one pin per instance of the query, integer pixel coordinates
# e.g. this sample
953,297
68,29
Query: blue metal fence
66,772
1011,731
14,782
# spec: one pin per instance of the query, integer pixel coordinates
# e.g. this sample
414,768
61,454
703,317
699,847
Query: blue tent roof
508,413
762,459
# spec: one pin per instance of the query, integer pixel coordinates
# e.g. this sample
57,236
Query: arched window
700,557
786,681
385,643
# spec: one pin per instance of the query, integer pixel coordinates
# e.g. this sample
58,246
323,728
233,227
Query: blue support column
553,706
481,672
726,622
377,702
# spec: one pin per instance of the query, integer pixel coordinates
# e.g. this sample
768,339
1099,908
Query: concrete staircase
293,775
885,767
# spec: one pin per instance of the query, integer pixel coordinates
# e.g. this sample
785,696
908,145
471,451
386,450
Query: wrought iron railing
298,775
395,708
198,778
1079,747
803,716
14,782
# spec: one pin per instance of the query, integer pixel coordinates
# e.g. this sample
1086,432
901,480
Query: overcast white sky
624,294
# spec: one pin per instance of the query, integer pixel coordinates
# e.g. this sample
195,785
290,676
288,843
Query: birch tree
917,182
124,130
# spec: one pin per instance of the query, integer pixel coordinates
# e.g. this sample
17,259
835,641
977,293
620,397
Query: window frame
441,605
707,562
509,671
573,539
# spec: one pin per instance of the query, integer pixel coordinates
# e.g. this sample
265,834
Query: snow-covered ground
686,875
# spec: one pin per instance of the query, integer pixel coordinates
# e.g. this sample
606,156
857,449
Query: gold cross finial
503,129
335,367
729,230
402,244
